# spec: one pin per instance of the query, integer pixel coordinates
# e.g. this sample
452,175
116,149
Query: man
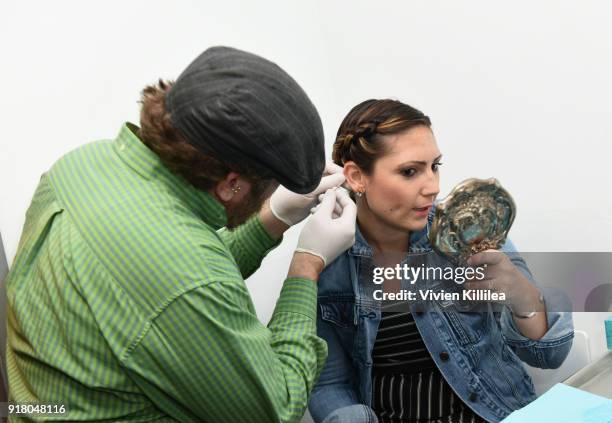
127,295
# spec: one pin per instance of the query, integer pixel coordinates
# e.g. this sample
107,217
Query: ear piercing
360,193
236,189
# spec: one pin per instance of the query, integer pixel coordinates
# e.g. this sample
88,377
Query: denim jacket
478,353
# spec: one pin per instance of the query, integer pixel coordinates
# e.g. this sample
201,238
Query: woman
437,365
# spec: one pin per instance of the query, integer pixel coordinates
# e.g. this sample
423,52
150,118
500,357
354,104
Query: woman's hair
157,132
360,136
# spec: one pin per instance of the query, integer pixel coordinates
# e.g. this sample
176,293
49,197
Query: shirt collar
419,240
145,162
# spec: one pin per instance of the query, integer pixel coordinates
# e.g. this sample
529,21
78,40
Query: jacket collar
133,152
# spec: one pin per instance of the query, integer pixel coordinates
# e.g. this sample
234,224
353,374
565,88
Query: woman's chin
413,225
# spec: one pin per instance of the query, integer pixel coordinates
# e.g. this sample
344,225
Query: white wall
520,91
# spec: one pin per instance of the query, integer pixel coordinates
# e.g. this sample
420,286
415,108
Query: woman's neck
380,236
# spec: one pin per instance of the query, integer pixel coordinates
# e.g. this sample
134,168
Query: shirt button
444,356
121,147
473,396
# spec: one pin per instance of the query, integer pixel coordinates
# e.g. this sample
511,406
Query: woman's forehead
416,144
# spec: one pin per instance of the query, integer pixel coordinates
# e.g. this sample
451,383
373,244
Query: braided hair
360,136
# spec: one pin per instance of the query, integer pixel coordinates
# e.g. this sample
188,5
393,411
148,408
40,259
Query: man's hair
360,137
157,132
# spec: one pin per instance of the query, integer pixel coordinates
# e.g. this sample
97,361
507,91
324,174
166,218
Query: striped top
418,398
399,346
407,386
127,301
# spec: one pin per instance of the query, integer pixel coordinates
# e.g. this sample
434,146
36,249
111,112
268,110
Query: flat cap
244,109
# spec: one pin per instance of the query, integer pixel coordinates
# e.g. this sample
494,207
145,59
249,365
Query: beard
260,191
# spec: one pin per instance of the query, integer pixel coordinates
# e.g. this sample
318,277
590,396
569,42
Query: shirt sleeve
207,357
249,243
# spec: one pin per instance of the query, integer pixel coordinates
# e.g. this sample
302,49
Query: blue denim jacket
479,353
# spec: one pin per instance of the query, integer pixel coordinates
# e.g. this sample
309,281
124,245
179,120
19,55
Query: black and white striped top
399,347
406,383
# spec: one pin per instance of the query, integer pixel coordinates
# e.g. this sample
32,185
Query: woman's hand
501,275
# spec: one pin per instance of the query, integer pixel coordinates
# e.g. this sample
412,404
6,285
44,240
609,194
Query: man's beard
260,191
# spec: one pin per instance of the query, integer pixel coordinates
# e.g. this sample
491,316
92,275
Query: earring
236,189
360,193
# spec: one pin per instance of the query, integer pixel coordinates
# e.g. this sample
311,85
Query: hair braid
359,136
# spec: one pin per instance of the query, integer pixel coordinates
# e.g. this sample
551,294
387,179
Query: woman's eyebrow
420,161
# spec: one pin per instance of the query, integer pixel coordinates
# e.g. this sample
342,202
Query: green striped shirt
127,301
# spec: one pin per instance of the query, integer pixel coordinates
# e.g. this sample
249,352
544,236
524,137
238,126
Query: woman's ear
355,178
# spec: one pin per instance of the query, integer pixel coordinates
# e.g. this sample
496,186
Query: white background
520,91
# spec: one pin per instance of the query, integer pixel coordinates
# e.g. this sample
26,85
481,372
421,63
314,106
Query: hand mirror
474,217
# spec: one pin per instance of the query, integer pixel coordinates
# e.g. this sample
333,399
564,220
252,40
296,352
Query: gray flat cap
244,109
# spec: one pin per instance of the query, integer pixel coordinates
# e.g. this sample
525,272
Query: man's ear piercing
236,189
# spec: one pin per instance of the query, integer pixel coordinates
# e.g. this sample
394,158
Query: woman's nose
431,188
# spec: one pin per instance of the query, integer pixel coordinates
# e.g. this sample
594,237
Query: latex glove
291,208
326,237
337,207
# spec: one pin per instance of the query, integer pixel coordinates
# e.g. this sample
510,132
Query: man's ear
228,187
355,178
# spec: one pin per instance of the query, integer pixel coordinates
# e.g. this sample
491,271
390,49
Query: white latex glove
292,208
337,207
326,237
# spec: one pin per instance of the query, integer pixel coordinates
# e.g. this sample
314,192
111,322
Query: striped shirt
423,397
406,383
127,301
399,346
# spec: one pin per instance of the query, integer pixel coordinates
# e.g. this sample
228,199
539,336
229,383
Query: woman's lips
422,211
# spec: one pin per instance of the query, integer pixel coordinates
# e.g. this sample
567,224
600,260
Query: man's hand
325,237
291,208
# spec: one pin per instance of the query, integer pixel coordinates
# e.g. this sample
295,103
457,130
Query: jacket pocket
340,313
509,384
468,327
515,366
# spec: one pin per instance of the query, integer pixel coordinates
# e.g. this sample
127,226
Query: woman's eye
408,172
436,166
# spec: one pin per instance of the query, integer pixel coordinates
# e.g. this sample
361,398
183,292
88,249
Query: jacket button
444,356
473,396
